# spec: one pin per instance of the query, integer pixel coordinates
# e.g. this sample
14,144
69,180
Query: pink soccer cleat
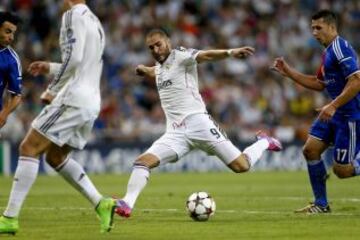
274,144
122,208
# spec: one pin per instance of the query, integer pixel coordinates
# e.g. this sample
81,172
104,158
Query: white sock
25,175
138,179
255,150
74,174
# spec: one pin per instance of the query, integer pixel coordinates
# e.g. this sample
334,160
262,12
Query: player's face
322,31
159,47
7,33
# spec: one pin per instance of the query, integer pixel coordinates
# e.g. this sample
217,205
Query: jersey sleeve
346,57
188,55
14,75
54,68
72,52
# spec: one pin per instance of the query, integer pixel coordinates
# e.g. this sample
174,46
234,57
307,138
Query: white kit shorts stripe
65,125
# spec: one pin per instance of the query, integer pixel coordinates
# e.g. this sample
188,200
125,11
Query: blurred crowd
242,95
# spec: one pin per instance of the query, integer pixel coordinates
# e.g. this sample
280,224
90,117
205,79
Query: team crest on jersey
329,81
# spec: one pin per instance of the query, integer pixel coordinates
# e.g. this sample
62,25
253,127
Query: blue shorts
323,131
343,134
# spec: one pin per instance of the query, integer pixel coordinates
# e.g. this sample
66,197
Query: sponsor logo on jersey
329,81
164,84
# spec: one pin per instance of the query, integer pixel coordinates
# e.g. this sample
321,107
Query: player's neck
166,58
331,39
75,2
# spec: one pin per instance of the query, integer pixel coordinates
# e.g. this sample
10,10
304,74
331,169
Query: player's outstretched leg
122,208
8,225
274,144
105,211
137,181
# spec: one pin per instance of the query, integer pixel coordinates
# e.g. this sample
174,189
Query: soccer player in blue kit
10,66
338,122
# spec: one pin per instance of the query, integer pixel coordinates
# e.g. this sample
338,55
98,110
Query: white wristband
228,52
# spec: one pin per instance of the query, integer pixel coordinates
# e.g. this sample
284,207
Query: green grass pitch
257,205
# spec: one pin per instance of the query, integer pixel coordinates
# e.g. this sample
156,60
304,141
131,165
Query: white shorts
65,125
196,131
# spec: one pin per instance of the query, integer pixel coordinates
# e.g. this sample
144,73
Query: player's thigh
170,147
65,125
205,134
201,128
33,144
323,131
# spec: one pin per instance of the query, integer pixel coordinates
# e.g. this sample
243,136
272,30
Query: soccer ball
200,206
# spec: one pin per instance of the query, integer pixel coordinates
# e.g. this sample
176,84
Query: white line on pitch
230,211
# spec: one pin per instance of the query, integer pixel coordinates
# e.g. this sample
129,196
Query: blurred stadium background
243,96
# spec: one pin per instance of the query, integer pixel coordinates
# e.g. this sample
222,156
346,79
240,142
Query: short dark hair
162,32
328,16
9,17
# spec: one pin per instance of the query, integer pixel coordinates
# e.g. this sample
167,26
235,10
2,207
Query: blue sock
317,175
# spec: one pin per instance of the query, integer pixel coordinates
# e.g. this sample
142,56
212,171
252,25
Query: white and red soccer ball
200,206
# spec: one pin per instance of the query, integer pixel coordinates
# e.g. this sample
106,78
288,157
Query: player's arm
10,104
148,72
13,98
307,81
352,88
348,64
214,55
72,54
42,67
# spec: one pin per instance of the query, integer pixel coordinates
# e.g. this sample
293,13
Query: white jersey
177,84
82,42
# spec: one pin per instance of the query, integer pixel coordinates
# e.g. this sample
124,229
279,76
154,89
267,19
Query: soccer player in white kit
65,124
189,126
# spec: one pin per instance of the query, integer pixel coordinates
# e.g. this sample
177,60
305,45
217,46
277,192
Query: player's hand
242,52
46,97
280,66
140,70
39,67
327,112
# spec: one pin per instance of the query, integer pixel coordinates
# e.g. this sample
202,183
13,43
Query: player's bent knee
147,160
343,171
239,165
310,153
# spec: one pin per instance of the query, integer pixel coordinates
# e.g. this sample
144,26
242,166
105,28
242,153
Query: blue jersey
10,72
338,64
